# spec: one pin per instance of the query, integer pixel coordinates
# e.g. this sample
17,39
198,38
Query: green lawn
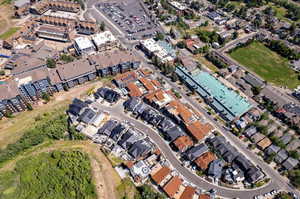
59,174
9,33
267,64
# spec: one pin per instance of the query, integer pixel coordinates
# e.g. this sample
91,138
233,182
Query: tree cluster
282,49
216,61
47,128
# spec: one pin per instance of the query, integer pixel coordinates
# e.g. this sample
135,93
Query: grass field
267,64
9,33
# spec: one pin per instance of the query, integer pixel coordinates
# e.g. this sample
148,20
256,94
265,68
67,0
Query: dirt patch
6,21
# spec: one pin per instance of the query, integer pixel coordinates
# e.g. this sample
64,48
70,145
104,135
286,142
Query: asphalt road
277,181
117,111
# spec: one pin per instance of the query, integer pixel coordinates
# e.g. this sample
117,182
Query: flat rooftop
225,100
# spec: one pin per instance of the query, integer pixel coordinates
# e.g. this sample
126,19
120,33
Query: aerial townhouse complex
30,77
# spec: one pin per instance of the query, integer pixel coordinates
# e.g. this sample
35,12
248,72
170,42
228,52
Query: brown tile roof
147,84
112,58
157,95
203,161
204,196
264,143
126,77
129,164
183,142
134,91
156,83
35,75
179,109
50,28
145,72
172,186
188,193
60,21
74,69
199,130
54,77
26,63
8,90
159,176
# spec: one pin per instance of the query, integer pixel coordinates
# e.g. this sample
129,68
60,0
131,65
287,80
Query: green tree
66,58
51,63
102,26
174,77
256,90
160,36
230,7
294,154
172,33
29,107
147,192
235,35
181,44
294,176
46,97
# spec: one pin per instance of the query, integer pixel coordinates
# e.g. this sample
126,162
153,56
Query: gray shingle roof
272,149
286,138
215,168
196,151
290,163
281,156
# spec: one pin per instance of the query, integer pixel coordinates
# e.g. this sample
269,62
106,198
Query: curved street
116,111
277,181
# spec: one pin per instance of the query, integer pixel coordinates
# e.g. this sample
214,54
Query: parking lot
130,17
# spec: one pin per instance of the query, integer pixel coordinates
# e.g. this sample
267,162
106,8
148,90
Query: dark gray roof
196,151
108,94
174,133
293,145
292,109
285,139
243,163
290,163
166,124
253,81
250,131
108,127
140,108
138,149
253,175
215,168
222,148
117,131
217,140
87,116
156,119
281,156
128,139
76,106
131,103
231,154
272,149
